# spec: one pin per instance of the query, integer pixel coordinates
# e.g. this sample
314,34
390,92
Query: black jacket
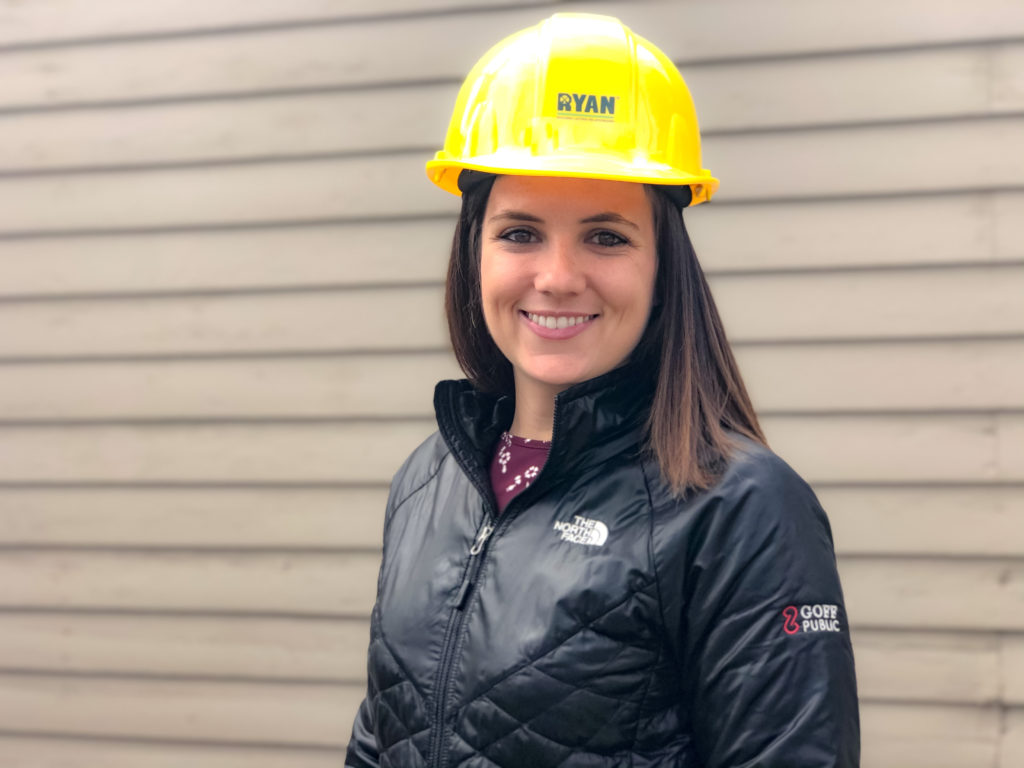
602,622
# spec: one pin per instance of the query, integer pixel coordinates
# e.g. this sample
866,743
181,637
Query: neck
535,409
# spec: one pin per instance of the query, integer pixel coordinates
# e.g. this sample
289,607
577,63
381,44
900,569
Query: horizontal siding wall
220,287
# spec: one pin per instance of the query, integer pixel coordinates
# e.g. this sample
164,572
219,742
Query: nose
560,269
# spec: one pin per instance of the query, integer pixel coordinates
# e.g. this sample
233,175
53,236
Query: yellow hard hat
576,95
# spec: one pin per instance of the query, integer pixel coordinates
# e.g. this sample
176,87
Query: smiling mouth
558,321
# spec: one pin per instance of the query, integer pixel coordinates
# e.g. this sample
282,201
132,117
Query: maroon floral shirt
517,461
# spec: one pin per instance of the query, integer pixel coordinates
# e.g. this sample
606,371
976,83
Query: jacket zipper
436,758
476,556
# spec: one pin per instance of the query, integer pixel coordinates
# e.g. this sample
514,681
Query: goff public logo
586,105
810,618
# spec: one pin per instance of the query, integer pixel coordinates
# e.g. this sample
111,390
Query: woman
596,561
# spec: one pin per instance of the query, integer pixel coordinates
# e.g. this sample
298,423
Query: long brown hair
699,396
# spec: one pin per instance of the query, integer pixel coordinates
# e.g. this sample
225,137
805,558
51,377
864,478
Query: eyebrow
516,216
606,217
611,217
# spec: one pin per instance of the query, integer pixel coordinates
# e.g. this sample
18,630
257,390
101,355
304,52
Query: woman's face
567,275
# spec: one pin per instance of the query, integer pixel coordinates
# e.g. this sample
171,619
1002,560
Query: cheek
649,281
636,293
486,278
494,295
499,283
490,293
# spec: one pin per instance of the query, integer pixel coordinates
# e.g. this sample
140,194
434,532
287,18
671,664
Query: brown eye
519,236
607,239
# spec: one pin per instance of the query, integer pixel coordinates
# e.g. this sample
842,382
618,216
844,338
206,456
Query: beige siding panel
23,752
920,593
895,735
958,521
942,743
1011,746
56,21
274,126
1008,224
857,305
945,448
897,666
903,85
884,520
290,191
910,376
309,56
234,518
278,713
936,593
897,231
363,53
1013,670
906,448
902,666
863,161
350,188
957,82
968,228
851,161
1010,447
921,736
325,452
222,582
215,647
360,320
971,520
1007,76
318,256
772,308
361,386
964,375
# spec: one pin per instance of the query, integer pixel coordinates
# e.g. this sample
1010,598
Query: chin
564,375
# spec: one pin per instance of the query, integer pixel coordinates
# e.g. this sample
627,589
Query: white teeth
558,322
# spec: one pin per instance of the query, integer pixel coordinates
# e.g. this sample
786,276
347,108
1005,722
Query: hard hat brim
444,172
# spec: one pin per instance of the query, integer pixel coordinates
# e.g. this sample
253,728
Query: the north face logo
583,530
590,104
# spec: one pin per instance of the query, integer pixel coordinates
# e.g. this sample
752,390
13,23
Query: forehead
571,198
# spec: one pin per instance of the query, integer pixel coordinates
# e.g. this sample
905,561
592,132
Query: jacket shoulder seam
422,485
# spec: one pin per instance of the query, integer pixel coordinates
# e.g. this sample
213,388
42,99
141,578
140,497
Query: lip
558,334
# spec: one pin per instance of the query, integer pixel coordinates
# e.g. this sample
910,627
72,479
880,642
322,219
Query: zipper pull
481,537
467,580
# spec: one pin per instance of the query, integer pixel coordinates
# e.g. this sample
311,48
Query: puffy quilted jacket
599,621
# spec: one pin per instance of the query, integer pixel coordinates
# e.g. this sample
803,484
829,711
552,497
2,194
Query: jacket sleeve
424,462
765,647
362,745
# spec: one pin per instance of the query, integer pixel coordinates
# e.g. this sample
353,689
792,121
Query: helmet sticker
589,105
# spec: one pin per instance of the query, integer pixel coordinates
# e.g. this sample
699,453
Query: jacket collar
594,420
